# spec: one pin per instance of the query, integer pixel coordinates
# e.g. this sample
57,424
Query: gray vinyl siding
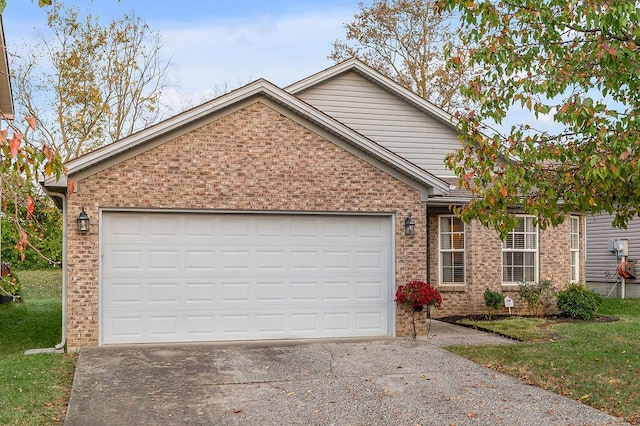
600,264
385,119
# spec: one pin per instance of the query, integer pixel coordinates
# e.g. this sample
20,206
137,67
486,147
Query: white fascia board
379,79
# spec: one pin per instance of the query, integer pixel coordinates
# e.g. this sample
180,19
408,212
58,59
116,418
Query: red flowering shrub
417,293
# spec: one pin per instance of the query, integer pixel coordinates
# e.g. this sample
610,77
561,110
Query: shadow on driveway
357,382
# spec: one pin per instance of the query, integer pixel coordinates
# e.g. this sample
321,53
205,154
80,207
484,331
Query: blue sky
215,45
218,45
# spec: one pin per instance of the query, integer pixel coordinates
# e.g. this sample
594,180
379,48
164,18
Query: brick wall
253,159
483,257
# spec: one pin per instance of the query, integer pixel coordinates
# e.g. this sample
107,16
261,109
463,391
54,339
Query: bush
577,301
536,295
493,300
10,286
416,294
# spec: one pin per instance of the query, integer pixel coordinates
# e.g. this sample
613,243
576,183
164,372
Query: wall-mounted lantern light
83,222
409,225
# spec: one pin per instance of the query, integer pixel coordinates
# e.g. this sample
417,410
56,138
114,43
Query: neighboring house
602,259
273,213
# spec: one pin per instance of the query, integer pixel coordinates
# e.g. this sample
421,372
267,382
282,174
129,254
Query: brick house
272,213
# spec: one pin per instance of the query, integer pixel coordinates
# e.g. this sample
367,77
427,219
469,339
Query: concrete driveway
347,382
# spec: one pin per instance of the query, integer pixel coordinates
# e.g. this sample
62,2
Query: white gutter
59,348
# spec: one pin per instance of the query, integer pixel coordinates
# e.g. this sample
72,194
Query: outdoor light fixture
83,222
409,225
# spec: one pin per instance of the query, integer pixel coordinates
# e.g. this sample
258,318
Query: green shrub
10,286
537,295
493,300
577,301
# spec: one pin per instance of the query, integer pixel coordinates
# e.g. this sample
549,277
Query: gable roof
359,67
92,160
6,97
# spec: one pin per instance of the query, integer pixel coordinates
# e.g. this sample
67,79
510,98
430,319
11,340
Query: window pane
447,275
457,225
529,274
446,259
445,241
529,224
458,275
445,224
508,242
458,241
518,241
458,259
518,274
532,241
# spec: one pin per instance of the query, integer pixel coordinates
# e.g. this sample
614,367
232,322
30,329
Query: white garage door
169,277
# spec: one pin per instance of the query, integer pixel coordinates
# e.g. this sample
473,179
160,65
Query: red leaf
15,144
70,187
47,151
30,206
32,122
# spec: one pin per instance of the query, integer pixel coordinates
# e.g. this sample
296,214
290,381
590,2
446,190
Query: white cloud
212,56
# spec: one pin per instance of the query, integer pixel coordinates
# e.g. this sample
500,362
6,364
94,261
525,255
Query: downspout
428,265
59,348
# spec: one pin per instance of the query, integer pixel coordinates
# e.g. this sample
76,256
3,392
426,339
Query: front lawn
596,363
34,389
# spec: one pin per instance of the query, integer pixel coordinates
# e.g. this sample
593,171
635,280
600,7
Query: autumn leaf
47,152
30,206
32,122
503,191
15,144
70,187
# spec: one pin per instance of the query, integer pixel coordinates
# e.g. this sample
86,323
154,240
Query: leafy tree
89,84
406,40
574,63
42,227
41,3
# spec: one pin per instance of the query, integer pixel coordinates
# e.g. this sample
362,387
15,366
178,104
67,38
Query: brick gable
254,159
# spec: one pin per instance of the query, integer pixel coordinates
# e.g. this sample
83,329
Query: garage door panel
163,260
164,226
123,260
373,291
200,260
206,277
164,293
235,259
270,292
199,293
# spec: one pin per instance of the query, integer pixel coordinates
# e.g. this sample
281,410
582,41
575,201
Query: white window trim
536,251
574,252
440,251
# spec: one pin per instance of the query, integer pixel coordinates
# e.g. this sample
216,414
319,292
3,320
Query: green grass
33,389
597,363
525,329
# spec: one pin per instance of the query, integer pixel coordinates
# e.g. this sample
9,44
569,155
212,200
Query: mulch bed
453,319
